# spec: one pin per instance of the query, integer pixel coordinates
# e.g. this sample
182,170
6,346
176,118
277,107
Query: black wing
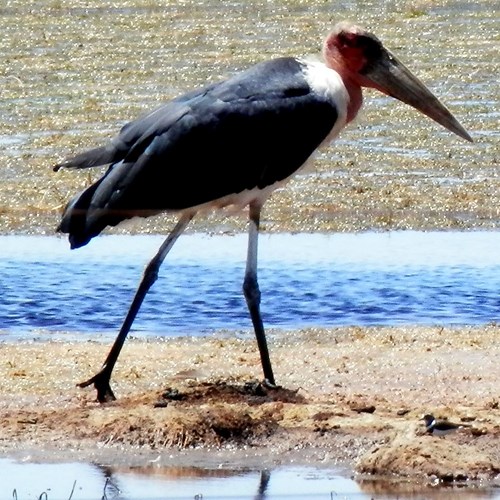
250,131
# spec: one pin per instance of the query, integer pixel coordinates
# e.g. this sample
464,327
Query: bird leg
102,378
252,293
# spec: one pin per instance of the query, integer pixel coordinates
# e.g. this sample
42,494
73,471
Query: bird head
428,420
361,60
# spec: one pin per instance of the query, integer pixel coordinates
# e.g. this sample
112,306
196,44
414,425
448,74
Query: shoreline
350,397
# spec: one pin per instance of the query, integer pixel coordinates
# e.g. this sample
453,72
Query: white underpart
325,82
235,202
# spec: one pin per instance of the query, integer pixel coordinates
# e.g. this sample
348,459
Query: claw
101,383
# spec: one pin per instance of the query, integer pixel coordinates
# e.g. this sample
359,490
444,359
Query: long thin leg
101,379
252,292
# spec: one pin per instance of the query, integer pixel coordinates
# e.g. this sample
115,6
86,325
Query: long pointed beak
393,78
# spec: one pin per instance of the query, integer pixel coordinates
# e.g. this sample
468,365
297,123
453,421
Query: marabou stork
233,143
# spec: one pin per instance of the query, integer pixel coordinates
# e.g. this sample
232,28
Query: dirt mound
205,414
430,458
352,397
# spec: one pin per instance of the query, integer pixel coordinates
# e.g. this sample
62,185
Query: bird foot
101,383
270,385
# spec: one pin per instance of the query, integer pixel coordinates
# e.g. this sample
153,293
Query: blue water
306,280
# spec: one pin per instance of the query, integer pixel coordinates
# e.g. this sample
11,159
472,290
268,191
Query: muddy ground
350,397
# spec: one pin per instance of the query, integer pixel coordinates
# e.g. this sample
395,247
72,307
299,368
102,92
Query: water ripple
306,280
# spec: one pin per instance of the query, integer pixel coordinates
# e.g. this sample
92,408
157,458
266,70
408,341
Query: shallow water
92,481
82,481
442,278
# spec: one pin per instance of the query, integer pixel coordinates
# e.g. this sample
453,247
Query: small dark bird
233,143
441,427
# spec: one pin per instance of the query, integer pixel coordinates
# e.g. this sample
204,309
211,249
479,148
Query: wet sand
73,74
349,397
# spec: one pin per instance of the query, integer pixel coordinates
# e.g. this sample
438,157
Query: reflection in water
401,489
227,483
30,480
265,475
57,481
220,480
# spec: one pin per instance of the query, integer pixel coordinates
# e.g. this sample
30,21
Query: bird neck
355,97
352,86
348,70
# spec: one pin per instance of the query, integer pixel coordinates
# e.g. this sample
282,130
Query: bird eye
348,39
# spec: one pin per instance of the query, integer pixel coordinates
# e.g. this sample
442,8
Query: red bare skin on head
346,50
349,48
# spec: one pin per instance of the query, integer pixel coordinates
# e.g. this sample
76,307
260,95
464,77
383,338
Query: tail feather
100,205
75,218
93,158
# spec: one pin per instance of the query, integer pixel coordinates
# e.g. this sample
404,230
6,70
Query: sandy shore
350,396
